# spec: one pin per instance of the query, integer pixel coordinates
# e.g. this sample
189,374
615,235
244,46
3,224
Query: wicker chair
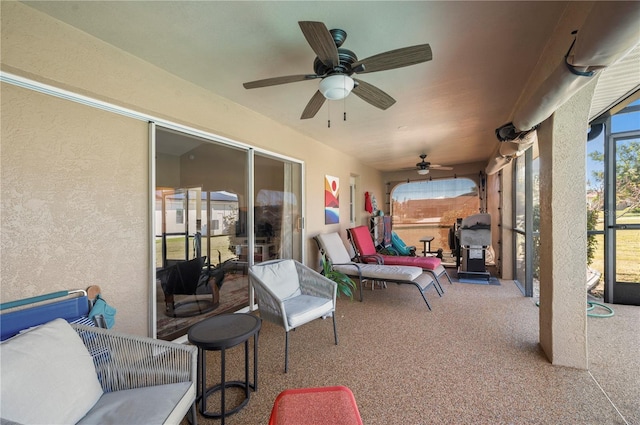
291,294
86,375
126,362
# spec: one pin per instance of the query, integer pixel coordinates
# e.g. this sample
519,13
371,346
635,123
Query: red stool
315,406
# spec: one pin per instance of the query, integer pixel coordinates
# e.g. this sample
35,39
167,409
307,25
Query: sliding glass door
613,196
526,221
622,228
215,203
278,208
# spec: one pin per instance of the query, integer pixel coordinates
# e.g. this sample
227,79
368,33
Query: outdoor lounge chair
366,253
331,245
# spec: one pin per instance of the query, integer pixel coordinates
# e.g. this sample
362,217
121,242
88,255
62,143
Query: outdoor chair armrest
374,258
125,361
314,284
270,306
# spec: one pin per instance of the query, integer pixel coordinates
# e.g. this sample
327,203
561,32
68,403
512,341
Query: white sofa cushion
47,376
144,406
281,277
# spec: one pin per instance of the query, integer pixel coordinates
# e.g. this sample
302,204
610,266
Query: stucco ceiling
484,54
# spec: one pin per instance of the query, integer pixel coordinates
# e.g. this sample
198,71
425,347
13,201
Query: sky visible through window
619,123
434,189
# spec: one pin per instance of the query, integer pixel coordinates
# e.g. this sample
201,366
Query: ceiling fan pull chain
344,108
328,114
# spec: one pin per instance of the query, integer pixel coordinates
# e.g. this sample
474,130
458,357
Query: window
526,222
431,207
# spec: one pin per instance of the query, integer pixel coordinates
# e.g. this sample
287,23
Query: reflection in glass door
278,208
176,220
204,210
201,189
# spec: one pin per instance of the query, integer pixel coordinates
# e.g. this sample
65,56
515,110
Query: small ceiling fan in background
336,65
423,166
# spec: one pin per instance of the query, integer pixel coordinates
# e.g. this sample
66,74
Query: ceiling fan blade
395,59
373,95
440,167
279,80
321,41
314,105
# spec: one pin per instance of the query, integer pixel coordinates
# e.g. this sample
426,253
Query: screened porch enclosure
429,207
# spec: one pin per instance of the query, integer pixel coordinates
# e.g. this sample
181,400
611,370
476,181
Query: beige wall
111,152
74,201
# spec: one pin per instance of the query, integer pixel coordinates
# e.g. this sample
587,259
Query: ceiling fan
335,66
424,166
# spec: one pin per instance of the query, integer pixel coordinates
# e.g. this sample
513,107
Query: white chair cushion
281,277
334,247
144,406
382,272
47,376
305,308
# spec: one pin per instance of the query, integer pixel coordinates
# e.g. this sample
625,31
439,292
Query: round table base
215,388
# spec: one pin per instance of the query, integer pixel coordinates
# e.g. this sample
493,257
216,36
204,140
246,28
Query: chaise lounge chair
331,245
366,252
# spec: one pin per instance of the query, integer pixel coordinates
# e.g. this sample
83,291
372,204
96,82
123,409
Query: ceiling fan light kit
336,87
423,166
336,65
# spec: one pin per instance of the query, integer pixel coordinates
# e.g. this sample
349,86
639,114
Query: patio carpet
474,359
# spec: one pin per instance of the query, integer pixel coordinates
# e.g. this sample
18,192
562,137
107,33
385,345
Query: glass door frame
250,152
611,227
526,287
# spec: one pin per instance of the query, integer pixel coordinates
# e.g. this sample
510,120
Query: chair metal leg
438,287
335,331
286,352
436,283
193,420
423,296
425,300
448,277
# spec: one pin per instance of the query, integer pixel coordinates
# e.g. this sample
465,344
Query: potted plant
346,285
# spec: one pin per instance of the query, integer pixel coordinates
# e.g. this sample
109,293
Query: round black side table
218,333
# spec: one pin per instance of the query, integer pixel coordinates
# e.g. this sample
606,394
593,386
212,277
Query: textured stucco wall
40,48
563,253
74,202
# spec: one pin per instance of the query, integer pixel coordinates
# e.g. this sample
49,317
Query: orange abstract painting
331,200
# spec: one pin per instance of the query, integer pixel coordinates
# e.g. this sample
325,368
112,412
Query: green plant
592,242
346,285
